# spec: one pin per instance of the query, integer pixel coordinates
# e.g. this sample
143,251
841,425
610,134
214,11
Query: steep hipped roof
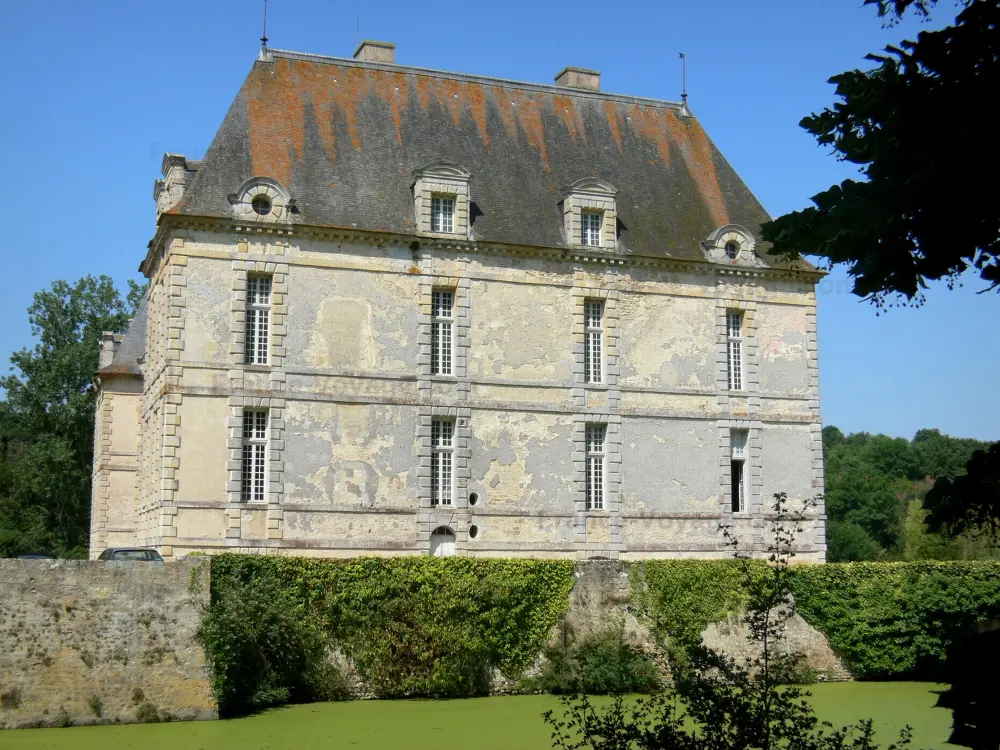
132,347
344,136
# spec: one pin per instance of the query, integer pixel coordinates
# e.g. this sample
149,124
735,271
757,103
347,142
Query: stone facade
349,385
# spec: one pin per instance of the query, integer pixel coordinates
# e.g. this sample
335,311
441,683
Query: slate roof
132,347
344,136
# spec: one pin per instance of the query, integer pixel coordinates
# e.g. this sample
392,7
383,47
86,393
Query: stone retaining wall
85,642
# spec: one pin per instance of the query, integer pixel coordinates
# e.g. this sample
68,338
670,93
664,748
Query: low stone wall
87,642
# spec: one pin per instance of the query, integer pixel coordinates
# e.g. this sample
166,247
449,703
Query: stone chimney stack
579,78
372,51
109,346
169,191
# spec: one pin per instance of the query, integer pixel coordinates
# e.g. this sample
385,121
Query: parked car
36,556
140,554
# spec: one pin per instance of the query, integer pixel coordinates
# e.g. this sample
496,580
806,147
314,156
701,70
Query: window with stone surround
737,468
443,213
442,461
441,202
590,217
596,435
591,223
258,321
253,479
734,349
593,342
442,322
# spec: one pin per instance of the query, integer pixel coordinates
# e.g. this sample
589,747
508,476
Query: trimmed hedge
891,620
442,626
886,620
410,625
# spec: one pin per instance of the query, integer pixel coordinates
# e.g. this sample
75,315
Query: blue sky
95,92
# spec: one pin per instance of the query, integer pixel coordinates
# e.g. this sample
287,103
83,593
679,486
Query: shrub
892,620
96,705
410,626
886,620
146,713
264,648
601,663
10,698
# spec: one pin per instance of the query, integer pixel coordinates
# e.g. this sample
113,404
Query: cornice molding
170,222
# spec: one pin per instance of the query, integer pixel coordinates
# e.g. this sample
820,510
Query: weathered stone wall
351,398
115,479
600,600
95,642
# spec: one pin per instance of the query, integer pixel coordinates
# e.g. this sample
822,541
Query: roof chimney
579,78
372,51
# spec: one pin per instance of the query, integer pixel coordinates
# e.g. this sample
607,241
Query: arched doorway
442,542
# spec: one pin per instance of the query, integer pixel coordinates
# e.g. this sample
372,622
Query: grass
484,723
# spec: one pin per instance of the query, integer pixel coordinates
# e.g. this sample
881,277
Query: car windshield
133,554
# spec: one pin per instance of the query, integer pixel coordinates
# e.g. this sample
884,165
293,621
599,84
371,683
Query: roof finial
263,38
684,84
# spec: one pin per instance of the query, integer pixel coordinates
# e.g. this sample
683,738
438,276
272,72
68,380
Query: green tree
849,542
47,418
875,487
920,213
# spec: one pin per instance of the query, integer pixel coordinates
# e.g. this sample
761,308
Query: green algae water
505,722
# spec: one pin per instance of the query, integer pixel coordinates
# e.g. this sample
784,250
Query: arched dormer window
731,244
441,199
261,199
590,215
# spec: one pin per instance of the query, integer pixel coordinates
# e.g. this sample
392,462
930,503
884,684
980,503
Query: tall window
442,312
258,327
442,454
738,469
254,472
593,320
590,226
734,349
596,434
442,213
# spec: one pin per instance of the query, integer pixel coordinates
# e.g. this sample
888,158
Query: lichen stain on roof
529,117
344,137
611,110
696,150
571,118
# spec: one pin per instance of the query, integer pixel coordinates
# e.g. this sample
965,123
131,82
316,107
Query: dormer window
731,244
441,199
589,214
443,213
262,200
591,224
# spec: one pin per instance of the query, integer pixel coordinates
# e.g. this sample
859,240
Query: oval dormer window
262,200
732,249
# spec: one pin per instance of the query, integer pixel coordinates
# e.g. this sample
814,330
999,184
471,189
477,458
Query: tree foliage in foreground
969,503
913,126
47,417
720,702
